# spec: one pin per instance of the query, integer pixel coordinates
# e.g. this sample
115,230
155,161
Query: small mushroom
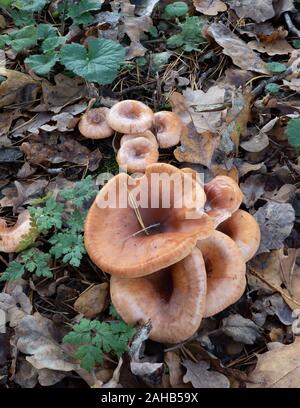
245,232
136,154
130,116
168,128
172,298
11,237
226,272
223,198
130,238
147,135
93,124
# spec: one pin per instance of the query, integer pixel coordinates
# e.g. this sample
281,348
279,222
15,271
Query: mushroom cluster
143,131
176,265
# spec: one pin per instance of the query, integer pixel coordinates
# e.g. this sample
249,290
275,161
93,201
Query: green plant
176,9
293,132
66,219
190,36
273,88
276,67
95,338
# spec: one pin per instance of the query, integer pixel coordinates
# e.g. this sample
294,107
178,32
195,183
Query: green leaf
15,270
3,40
48,216
276,67
293,132
43,63
296,44
50,44
22,18
273,88
176,9
99,63
37,262
82,191
158,60
190,36
6,3
80,12
23,39
28,239
31,5
46,31
68,246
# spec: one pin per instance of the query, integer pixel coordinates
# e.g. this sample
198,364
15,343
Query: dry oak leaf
210,7
201,377
257,10
18,88
92,301
240,53
280,47
277,368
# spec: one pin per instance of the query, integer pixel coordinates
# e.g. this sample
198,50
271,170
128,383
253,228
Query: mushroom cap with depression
147,135
137,226
168,127
130,116
223,198
245,232
93,124
226,272
172,298
11,237
136,154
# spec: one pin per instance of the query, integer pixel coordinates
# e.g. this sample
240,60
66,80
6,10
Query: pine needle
134,205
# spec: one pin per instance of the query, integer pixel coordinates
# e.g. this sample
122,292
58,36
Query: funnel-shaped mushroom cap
11,237
173,299
93,124
226,272
223,198
196,176
168,128
137,226
130,117
147,134
136,154
245,232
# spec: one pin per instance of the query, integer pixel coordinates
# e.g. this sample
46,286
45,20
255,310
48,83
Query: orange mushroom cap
114,237
11,237
226,272
147,135
93,124
223,198
130,116
136,154
168,128
245,232
173,299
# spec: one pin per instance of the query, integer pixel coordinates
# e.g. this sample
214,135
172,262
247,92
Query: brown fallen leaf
92,301
255,9
219,170
240,53
253,188
18,89
277,368
280,47
5,123
22,193
200,375
173,361
210,7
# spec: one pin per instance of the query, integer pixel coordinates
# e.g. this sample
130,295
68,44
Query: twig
259,89
291,25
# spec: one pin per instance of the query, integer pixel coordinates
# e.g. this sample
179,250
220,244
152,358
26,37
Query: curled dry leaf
240,329
280,47
92,301
256,143
210,7
173,361
22,193
18,88
240,53
276,222
253,188
200,375
257,10
277,368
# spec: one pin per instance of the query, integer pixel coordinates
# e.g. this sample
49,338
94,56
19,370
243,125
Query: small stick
291,25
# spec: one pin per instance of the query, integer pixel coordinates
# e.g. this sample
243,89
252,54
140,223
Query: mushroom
168,128
130,117
243,229
93,124
226,272
223,198
172,298
11,237
136,154
147,135
137,226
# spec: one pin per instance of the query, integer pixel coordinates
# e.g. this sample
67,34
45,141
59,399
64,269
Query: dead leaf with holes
18,89
240,53
277,368
210,7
